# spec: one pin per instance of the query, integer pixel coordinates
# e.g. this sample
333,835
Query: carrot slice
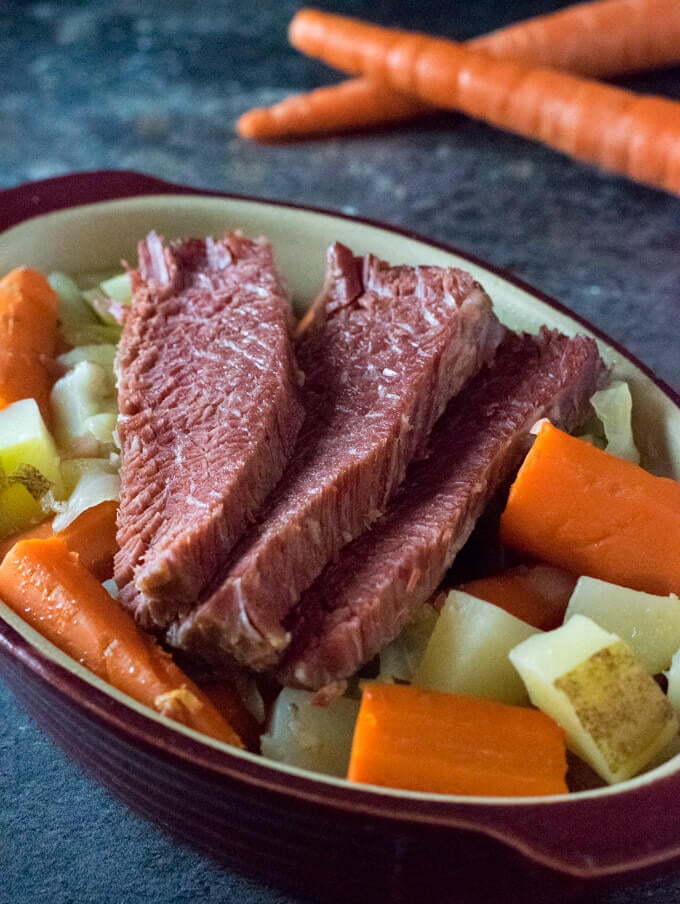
406,737
580,508
537,594
227,701
36,532
602,38
45,583
28,333
618,130
92,535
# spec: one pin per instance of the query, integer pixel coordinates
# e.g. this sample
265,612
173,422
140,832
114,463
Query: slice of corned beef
362,601
209,413
383,349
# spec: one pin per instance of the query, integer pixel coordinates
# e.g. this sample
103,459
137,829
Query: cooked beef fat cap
383,349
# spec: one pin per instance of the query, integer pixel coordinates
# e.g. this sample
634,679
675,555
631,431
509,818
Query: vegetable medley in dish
253,526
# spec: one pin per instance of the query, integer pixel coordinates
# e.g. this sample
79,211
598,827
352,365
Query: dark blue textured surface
156,87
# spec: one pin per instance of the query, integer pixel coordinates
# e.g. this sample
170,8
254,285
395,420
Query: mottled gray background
157,87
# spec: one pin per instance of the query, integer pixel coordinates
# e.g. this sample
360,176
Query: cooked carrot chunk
536,594
45,583
579,508
421,740
92,535
28,332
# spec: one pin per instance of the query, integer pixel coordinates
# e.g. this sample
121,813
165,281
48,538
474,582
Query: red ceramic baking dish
313,835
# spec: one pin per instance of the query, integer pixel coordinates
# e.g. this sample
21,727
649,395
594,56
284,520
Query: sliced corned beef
209,402
383,350
362,601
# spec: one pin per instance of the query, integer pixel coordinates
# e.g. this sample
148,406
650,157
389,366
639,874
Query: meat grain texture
383,349
209,404
363,600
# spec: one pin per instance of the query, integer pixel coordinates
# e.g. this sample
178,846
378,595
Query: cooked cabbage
400,658
613,406
85,409
97,484
78,323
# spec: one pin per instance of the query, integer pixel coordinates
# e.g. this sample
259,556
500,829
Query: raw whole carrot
638,136
92,535
536,594
45,583
580,508
597,39
350,105
28,334
601,38
406,737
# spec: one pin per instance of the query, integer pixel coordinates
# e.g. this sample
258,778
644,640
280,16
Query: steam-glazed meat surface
362,601
383,349
210,411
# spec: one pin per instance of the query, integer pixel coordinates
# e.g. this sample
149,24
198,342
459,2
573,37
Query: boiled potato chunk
468,651
649,624
29,466
615,716
312,737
